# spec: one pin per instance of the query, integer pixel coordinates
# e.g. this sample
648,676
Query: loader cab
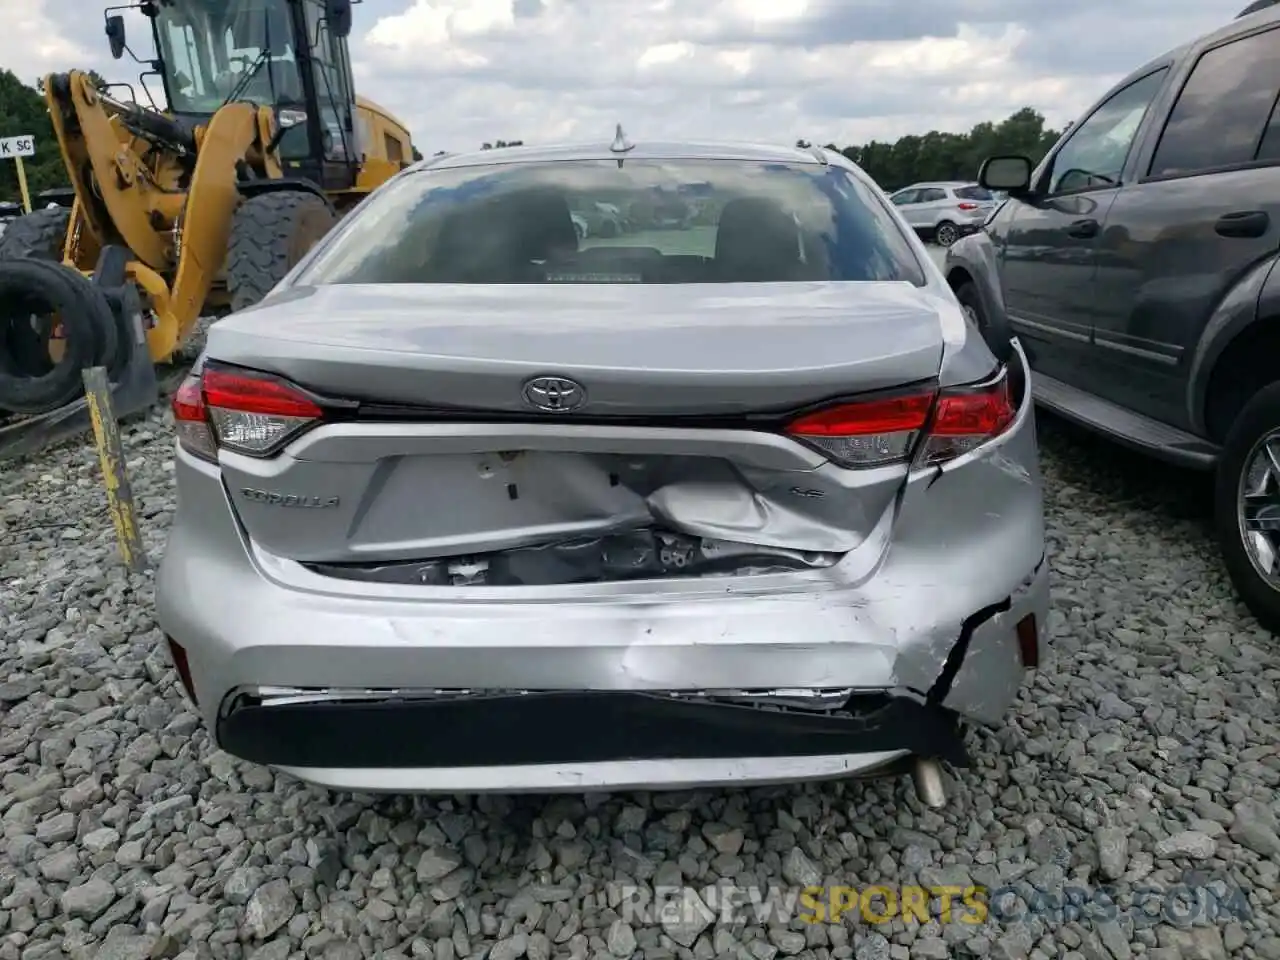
288,54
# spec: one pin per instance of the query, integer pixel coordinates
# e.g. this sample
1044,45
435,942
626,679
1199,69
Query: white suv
944,211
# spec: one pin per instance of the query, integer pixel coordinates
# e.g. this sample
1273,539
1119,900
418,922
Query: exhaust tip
927,774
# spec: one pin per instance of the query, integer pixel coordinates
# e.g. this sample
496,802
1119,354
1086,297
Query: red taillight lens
965,419
968,206
866,433
195,435
246,393
886,430
255,414
242,412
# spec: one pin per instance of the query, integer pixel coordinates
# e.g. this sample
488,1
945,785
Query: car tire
1255,426
945,234
998,337
971,303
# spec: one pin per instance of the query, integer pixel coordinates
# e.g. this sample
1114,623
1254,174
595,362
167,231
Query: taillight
967,418
244,412
968,206
195,434
930,427
868,433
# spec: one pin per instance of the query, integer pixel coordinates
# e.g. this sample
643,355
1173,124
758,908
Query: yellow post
22,185
106,433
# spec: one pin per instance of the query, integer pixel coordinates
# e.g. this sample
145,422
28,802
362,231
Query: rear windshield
974,193
649,221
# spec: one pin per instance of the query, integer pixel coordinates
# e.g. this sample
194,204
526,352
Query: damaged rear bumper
541,740
944,606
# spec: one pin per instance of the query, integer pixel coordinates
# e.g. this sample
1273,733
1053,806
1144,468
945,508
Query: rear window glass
649,221
974,193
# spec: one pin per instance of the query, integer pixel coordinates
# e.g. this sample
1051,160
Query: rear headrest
494,241
757,234
541,219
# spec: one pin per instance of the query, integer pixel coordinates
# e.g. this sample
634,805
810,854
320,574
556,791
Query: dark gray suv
1136,265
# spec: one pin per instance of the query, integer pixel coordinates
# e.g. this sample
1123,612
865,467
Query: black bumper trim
572,727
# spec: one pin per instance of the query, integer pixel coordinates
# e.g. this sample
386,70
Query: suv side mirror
115,35
339,15
1007,174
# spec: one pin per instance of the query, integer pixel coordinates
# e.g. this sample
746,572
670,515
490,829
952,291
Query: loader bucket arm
123,199
204,226
166,194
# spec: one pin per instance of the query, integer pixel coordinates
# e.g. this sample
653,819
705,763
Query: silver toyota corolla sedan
473,503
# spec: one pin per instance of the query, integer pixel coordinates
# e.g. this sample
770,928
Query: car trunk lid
638,349
442,474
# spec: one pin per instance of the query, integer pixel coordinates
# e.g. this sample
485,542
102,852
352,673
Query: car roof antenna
620,145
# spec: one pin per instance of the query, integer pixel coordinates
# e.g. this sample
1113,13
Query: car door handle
1083,229
1244,224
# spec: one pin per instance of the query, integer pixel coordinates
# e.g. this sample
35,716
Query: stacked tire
36,293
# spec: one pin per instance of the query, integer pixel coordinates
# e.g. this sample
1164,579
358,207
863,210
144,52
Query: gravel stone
1254,826
437,863
685,916
269,908
1113,851
1144,755
621,939
1188,843
88,900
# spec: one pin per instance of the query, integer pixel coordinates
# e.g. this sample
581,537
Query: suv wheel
1247,506
997,336
945,234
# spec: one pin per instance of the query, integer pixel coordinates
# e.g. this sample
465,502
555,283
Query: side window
183,61
1094,154
364,135
1223,112
931,195
904,197
395,153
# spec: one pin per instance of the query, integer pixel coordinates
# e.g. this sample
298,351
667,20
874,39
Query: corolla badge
273,498
554,394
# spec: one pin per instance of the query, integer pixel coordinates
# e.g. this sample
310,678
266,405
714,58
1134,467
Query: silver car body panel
917,574
886,617
690,348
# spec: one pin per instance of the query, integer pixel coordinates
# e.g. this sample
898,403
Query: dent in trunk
631,555
546,517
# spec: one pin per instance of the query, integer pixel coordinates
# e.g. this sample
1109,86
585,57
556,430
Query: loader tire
40,234
34,286
271,232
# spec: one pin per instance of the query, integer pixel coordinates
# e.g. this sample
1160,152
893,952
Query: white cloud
764,12
460,72
665,53
35,44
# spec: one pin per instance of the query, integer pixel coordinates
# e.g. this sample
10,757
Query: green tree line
935,155
23,112
951,156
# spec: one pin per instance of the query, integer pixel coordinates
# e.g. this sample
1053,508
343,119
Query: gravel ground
1144,756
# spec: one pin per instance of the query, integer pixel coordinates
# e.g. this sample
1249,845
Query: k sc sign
12,147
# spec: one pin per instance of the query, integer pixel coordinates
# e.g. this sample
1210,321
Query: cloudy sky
459,72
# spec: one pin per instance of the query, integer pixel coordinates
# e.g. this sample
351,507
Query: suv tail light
968,206
931,426
241,411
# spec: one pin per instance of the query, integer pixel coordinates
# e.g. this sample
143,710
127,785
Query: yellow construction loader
198,208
